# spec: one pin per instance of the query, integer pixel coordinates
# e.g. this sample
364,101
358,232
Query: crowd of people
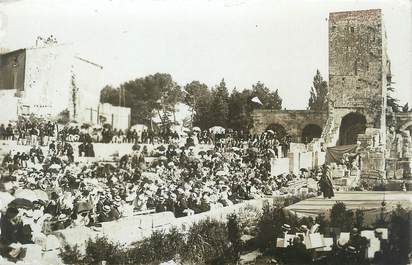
27,132
52,190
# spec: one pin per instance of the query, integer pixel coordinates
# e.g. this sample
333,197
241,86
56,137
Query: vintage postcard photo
214,132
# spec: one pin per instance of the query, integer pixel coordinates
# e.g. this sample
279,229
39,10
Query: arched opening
352,124
409,128
278,129
311,131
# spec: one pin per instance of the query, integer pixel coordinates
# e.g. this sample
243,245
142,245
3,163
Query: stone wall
358,63
293,121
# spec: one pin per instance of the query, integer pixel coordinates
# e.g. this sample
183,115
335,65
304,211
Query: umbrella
26,194
221,173
196,129
303,170
270,131
217,129
21,203
202,153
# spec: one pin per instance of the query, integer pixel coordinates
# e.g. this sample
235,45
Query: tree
109,95
390,100
152,95
219,106
270,100
318,93
198,97
240,107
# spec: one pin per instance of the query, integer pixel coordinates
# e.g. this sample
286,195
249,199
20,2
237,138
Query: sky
280,43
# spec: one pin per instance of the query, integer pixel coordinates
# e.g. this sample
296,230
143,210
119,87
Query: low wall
295,161
306,160
279,166
129,230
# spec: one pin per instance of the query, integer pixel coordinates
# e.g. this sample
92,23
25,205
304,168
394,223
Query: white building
117,117
48,80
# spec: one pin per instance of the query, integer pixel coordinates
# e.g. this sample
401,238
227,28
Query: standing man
325,183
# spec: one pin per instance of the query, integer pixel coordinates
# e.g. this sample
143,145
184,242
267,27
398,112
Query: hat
117,198
106,208
286,227
62,217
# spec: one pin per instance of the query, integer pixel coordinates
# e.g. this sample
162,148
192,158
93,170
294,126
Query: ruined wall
294,121
358,64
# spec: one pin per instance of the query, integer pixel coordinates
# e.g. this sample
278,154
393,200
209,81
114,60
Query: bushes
207,242
159,247
234,234
102,249
71,255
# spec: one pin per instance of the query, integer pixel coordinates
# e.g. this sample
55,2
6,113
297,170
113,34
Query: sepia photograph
205,132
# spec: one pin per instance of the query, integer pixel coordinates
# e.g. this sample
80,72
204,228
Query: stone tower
359,71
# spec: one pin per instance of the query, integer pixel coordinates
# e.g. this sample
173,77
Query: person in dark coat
89,149
11,232
325,183
82,149
9,225
68,150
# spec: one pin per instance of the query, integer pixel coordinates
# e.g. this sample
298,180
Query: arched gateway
352,124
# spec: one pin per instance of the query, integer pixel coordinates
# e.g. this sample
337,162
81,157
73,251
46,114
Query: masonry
359,71
301,125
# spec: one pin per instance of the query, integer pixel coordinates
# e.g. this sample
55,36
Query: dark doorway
278,129
352,124
311,131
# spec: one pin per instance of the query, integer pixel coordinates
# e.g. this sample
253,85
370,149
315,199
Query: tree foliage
110,95
147,97
198,97
219,109
391,101
270,100
318,93
157,96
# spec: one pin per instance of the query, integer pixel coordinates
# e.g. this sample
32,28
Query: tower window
352,29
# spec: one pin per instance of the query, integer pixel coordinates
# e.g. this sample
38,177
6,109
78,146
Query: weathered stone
293,121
